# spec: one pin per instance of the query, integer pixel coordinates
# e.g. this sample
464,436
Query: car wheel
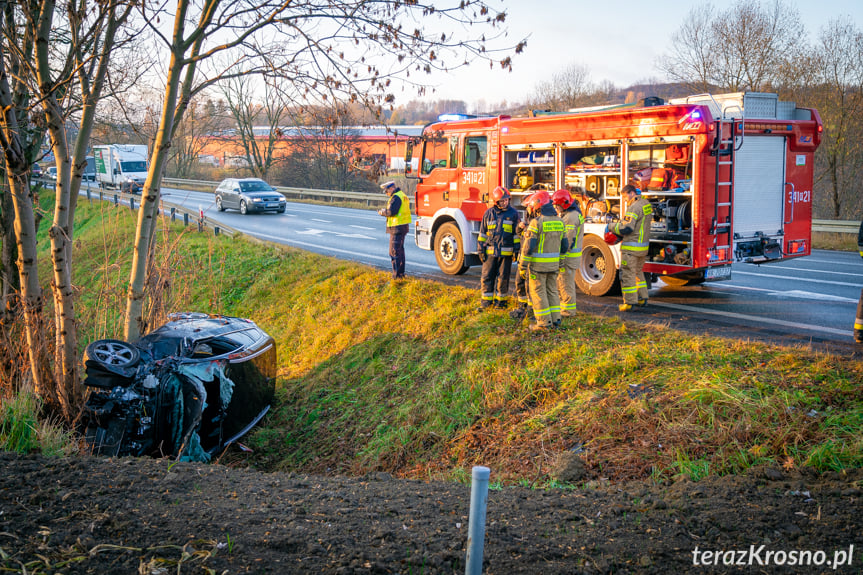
219,205
112,352
597,274
243,209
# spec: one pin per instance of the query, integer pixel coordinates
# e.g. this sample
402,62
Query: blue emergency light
454,117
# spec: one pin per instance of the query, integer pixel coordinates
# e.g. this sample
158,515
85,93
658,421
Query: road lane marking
796,279
317,247
767,320
814,271
316,232
361,227
799,294
322,221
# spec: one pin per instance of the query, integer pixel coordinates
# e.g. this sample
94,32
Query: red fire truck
729,177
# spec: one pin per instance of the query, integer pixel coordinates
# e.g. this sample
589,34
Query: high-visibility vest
404,215
497,233
574,222
545,233
634,228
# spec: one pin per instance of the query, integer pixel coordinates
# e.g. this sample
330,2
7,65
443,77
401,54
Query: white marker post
476,524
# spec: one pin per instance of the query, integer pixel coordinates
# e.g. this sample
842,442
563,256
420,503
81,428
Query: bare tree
833,84
350,49
569,88
250,112
193,134
20,141
692,60
742,48
60,60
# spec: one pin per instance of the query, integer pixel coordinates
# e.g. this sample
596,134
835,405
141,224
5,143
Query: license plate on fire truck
718,273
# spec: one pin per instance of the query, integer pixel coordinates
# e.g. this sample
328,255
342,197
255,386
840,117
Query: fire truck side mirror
409,152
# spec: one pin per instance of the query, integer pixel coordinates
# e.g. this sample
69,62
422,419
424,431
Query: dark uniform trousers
397,249
496,271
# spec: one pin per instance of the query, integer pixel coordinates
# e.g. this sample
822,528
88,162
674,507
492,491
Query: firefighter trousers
544,297
632,282
566,287
521,290
495,280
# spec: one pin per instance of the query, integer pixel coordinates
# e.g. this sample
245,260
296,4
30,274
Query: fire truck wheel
449,250
598,272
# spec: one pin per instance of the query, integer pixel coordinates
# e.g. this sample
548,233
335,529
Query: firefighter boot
642,302
625,307
858,335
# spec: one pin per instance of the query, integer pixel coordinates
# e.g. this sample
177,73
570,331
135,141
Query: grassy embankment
407,379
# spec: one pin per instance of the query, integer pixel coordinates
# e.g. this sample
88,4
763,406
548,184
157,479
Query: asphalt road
808,301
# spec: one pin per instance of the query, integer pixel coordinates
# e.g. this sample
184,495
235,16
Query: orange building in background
375,147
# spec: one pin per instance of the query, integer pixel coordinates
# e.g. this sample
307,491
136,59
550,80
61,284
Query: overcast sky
617,40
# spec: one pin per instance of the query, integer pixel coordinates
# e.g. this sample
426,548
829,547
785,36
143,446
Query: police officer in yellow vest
398,215
634,228
570,213
543,249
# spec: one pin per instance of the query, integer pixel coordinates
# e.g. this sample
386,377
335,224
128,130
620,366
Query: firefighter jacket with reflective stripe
402,213
634,228
545,242
497,235
574,223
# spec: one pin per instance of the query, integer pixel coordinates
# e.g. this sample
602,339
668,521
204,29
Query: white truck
122,166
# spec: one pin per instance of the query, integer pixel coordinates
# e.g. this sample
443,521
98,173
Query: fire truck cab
729,176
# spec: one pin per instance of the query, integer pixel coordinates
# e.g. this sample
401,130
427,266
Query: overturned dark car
187,389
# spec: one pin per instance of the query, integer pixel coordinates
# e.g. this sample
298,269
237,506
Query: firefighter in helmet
497,244
542,258
858,322
634,229
573,220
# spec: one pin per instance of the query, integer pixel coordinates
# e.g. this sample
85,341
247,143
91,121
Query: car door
236,194
229,198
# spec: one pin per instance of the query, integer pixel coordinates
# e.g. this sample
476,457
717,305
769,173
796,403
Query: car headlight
256,199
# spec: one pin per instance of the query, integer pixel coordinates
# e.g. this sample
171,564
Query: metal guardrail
836,226
370,199
190,217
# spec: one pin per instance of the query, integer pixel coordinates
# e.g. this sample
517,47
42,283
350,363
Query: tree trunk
31,291
9,281
17,168
144,233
